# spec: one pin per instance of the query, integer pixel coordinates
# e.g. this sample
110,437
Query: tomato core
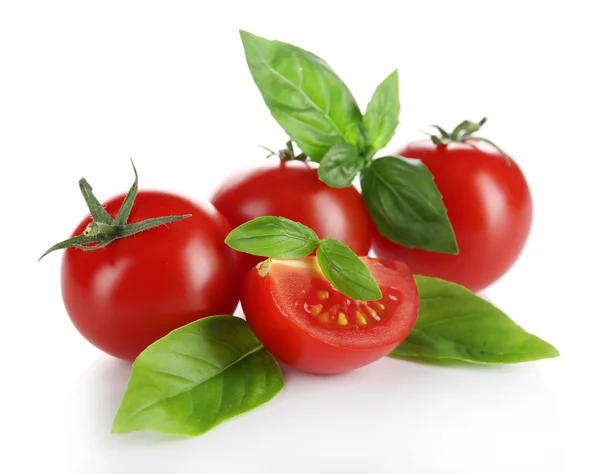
328,307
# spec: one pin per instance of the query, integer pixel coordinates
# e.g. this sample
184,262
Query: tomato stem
98,213
287,154
462,132
368,155
104,229
263,267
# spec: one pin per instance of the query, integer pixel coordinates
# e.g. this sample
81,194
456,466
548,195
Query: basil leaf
455,325
310,102
346,272
381,118
358,136
196,377
273,237
406,205
340,165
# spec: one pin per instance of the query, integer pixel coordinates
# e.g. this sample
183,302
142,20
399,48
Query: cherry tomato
306,323
137,289
292,189
489,205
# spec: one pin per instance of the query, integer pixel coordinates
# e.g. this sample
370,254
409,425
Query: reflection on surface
391,414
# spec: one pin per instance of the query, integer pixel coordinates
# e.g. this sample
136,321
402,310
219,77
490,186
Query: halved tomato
306,323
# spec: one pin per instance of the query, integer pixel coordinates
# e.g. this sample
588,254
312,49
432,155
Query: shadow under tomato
399,409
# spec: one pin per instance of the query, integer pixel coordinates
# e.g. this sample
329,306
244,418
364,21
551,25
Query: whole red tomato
306,323
292,189
126,295
489,205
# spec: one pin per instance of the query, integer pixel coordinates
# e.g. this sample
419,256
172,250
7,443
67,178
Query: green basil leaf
346,272
196,377
406,205
455,325
340,165
305,96
358,136
273,237
382,116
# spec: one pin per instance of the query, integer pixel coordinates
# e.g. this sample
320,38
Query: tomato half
292,189
489,206
306,323
137,289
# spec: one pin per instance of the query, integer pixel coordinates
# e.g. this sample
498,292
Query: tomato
306,323
137,289
292,189
489,205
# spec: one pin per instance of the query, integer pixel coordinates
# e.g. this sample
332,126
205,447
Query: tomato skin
286,338
292,189
489,205
137,289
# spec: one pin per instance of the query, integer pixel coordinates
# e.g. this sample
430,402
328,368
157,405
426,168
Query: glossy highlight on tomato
490,208
137,289
306,323
292,189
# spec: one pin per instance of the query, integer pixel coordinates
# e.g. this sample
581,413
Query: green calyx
462,132
286,154
105,229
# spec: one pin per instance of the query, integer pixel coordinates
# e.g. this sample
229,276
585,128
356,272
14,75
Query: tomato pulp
137,289
292,189
306,323
489,205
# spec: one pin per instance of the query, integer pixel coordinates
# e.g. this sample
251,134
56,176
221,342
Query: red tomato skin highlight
137,289
489,205
290,343
292,189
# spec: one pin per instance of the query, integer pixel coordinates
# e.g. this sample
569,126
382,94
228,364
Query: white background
84,86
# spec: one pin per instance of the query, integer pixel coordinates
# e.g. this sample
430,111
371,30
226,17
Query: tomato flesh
306,323
490,208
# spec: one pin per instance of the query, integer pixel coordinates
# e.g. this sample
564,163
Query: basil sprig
317,110
455,325
278,237
196,377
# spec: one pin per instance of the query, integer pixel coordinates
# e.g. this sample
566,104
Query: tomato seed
322,295
324,317
360,318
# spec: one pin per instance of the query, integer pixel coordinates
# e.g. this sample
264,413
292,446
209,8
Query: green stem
98,213
131,229
80,241
104,229
125,210
368,155
287,154
462,132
